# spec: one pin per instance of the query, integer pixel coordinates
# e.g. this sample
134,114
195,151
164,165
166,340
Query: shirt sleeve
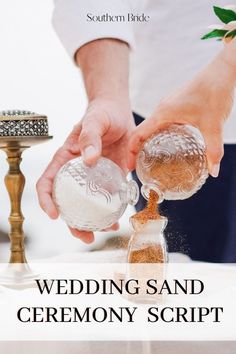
72,22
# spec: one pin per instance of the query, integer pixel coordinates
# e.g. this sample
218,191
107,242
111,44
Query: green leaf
215,33
225,15
231,33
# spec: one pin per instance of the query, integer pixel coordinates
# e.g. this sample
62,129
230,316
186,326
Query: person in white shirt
137,65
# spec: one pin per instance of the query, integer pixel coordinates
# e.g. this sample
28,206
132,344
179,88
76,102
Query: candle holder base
18,276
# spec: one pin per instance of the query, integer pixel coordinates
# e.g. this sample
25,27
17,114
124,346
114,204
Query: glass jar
147,258
92,198
147,244
173,163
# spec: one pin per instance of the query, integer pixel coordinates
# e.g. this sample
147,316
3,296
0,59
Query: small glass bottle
147,244
147,257
92,198
173,163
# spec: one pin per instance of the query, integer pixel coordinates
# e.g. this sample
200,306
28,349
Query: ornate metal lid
17,114
22,123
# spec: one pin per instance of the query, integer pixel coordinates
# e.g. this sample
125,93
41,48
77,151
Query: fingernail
215,170
89,152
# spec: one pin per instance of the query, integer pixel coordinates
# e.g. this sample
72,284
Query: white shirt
167,49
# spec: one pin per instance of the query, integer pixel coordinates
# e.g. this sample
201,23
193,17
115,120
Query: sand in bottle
150,253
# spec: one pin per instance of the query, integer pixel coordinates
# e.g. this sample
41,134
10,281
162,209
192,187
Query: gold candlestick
15,181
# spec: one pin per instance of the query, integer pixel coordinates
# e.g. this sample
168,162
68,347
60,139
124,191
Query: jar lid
17,114
18,123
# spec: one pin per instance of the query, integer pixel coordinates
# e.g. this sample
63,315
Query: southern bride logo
108,17
121,302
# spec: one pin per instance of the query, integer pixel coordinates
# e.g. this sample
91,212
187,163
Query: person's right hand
204,102
104,131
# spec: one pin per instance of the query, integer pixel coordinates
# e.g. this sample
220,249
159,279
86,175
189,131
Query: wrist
107,90
220,75
106,86
227,63
115,110
123,102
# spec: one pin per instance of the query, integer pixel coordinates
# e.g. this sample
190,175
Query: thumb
90,141
214,150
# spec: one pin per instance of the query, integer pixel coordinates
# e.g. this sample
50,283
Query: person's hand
203,103
104,130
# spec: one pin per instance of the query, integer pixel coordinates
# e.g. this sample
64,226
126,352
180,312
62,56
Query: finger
114,227
72,141
214,149
90,140
45,200
139,136
45,184
86,237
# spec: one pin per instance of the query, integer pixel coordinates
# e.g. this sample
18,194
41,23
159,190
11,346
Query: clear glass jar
147,258
92,198
173,163
147,244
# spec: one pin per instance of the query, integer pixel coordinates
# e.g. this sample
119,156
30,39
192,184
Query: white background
37,74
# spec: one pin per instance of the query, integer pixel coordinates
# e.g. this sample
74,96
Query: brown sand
151,211
149,253
177,174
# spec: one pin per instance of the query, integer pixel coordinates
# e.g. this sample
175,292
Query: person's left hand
104,131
